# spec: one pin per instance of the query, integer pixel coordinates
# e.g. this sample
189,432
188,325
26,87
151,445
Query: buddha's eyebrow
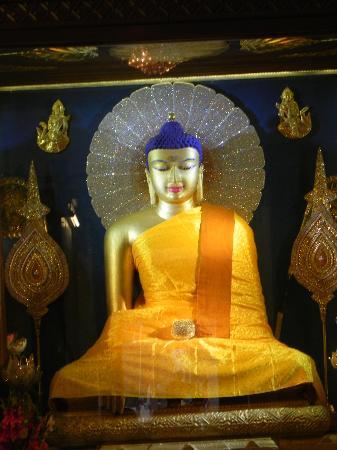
166,160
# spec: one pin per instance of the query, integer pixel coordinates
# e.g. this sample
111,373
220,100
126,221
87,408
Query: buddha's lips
175,189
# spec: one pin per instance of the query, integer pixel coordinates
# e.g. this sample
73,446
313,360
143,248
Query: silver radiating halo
233,158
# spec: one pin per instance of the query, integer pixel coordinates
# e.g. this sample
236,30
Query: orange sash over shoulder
214,272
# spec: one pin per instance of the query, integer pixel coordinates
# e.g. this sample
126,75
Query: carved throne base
90,429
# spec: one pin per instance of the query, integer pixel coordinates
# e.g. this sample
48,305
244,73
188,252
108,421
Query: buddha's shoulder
242,227
239,221
131,225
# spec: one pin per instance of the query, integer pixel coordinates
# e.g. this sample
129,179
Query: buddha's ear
152,192
200,188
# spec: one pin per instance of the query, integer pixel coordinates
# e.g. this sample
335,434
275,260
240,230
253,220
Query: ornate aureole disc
13,196
233,157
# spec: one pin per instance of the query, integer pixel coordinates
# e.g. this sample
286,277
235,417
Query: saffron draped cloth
204,270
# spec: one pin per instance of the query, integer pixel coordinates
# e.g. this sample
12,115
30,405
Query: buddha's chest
166,256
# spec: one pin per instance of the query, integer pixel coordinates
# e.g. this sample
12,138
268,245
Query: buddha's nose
174,176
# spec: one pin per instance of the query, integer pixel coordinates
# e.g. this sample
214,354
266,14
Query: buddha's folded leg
149,366
104,367
213,367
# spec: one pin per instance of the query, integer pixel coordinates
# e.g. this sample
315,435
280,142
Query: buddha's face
174,173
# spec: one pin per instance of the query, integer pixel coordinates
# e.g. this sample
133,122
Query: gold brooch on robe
183,329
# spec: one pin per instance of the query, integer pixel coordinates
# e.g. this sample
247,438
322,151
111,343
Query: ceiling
48,42
129,62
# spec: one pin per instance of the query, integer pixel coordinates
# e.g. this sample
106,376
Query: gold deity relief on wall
295,123
52,137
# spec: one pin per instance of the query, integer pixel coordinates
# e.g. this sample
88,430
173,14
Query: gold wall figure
294,123
52,137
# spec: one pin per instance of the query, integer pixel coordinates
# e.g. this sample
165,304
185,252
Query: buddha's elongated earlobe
200,188
152,192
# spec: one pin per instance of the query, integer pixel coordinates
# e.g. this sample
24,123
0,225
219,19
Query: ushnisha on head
174,165
172,136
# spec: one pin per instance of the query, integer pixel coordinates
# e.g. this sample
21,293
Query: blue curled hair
173,136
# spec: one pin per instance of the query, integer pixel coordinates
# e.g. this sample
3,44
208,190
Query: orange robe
136,356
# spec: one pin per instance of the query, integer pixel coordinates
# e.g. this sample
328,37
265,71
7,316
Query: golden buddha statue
200,328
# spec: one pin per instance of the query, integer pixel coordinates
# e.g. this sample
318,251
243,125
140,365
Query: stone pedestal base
223,444
91,429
